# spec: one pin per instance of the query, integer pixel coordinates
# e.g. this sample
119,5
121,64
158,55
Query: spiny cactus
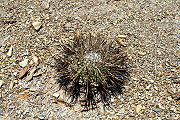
92,68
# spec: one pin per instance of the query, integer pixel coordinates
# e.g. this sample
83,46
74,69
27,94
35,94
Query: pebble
157,109
41,117
1,82
160,106
11,85
170,98
35,60
141,53
152,81
56,95
148,87
121,111
155,87
45,4
139,108
37,25
122,36
24,63
67,25
9,53
1,111
32,89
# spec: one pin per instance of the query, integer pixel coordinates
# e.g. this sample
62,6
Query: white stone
122,36
36,25
35,60
24,63
56,95
1,82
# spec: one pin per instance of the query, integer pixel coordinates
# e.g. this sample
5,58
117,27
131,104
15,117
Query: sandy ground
152,40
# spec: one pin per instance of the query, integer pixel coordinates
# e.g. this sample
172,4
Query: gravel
151,34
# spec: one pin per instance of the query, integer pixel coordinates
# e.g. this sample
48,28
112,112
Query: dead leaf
37,74
23,72
30,76
20,90
69,105
59,101
66,104
24,96
176,96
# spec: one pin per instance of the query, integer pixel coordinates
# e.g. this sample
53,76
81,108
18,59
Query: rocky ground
32,31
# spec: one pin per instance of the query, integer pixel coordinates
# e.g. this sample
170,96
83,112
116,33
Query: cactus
92,69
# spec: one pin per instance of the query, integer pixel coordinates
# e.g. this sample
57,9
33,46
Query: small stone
160,106
170,98
122,36
51,114
152,81
67,25
133,106
47,17
15,81
41,117
11,85
139,108
32,89
45,4
121,111
37,25
157,109
15,73
112,100
135,78
148,87
1,112
24,63
1,82
156,88
35,60
141,53
31,62
9,53
56,95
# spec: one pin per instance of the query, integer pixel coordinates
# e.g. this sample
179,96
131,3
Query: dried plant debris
7,20
176,96
92,69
